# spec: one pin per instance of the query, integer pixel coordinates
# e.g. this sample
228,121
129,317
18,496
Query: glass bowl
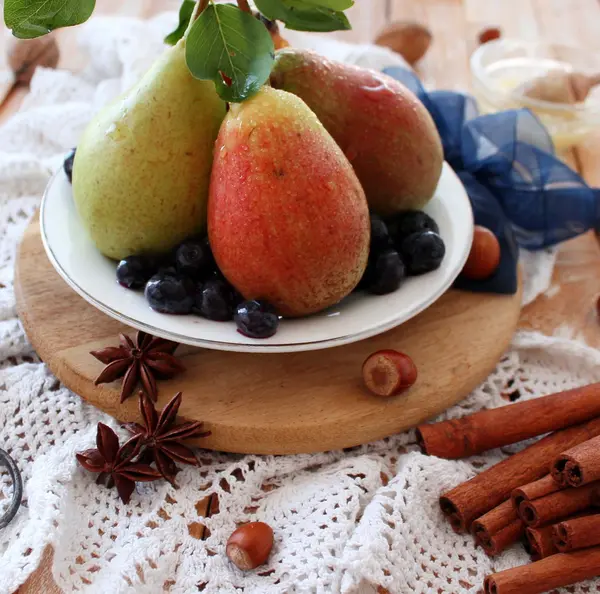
501,68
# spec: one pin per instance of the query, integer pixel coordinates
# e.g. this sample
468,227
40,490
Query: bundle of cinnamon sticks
547,495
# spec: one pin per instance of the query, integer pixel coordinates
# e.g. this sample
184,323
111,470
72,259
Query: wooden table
569,308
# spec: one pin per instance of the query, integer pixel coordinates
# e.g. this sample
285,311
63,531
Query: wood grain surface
569,307
274,403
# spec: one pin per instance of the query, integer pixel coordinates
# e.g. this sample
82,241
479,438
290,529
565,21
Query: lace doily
345,521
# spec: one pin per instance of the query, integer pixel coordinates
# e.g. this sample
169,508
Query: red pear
384,130
288,221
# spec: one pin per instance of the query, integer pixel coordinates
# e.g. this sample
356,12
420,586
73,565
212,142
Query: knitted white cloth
346,521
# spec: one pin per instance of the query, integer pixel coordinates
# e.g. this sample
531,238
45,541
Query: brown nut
25,55
489,34
389,372
484,256
410,40
250,545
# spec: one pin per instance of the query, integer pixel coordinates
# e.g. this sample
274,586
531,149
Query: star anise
115,464
162,437
144,361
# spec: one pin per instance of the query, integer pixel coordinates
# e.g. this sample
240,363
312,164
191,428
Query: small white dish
358,316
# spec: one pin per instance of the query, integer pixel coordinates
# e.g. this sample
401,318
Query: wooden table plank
12,102
367,18
445,65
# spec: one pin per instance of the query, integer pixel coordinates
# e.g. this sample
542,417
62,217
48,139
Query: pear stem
243,5
200,6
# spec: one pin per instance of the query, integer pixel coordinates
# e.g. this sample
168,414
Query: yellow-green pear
142,168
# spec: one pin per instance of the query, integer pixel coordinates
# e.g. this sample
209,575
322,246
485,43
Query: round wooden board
274,403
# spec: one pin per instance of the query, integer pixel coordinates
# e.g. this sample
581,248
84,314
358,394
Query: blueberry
134,272
194,258
386,273
169,292
214,300
380,237
68,165
406,223
256,319
367,277
422,252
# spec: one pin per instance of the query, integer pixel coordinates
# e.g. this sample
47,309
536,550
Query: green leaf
301,15
34,18
185,14
231,48
333,4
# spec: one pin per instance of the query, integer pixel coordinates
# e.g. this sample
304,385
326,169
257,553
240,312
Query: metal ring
15,475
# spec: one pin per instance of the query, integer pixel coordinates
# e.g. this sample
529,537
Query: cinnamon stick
539,543
485,430
505,537
472,499
562,569
559,505
577,533
579,465
498,529
534,490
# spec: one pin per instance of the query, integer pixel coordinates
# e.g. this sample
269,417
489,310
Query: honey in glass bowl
502,69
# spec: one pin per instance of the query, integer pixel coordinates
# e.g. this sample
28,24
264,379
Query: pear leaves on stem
225,43
332,4
185,14
301,15
232,48
308,15
33,18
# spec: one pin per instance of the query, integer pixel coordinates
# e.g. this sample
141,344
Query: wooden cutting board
274,403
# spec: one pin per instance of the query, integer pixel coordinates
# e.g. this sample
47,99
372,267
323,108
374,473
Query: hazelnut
489,34
410,40
389,372
250,545
25,55
484,256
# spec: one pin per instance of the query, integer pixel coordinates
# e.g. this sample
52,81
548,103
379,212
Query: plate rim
259,347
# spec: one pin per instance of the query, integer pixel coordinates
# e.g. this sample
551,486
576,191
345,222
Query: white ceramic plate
357,317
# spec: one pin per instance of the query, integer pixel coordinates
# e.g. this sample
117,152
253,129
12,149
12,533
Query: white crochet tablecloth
344,521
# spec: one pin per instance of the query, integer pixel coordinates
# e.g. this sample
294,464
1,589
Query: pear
288,220
142,168
384,130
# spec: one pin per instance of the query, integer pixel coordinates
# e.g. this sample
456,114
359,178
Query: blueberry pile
189,282
406,244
